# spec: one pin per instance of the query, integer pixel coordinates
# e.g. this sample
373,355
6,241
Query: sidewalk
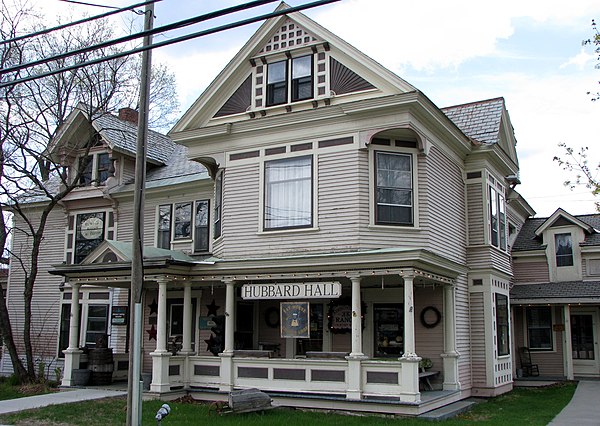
584,408
62,397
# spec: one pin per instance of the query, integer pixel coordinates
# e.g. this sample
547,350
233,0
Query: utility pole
134,408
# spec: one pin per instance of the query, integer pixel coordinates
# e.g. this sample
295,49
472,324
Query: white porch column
72,353
450,355
186,348
227,354
410,360
354,389
568,344
160,357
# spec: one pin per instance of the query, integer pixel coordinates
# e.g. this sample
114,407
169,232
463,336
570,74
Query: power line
164,28
169,42
70,24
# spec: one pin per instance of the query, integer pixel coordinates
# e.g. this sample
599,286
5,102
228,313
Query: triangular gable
360,71
561,215
290,34
117,251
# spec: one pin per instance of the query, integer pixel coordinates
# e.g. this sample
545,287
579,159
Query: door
584,343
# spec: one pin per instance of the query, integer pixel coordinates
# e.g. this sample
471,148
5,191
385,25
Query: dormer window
300,87
96,169
564,249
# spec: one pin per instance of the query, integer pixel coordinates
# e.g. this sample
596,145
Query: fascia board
556,301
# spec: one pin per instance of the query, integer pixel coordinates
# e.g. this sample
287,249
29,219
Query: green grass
521,406
9,390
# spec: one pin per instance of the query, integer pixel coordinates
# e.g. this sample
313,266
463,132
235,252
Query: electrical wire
169,42
164,28
81,21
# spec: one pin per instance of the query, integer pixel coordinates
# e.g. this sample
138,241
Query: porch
361,343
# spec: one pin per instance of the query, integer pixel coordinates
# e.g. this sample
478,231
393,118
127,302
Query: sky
529,52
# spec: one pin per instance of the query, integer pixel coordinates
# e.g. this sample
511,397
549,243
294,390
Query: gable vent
343,80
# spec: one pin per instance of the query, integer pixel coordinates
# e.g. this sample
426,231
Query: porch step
448,411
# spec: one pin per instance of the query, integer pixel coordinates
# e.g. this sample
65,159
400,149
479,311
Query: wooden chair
529,369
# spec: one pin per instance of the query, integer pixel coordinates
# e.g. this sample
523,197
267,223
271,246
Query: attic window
300,86
96,168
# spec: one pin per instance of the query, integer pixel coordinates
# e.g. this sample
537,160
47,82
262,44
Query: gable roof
561,214
529,240
119,135
236,72
123,252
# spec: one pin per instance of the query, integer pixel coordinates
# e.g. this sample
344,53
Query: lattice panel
288,36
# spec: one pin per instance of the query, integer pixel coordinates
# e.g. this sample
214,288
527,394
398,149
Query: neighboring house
346,228
556,294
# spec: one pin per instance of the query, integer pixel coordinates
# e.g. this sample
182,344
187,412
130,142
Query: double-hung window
502,337
539,327
288,193
497,218
394,189
299,87
178,222
95,169
218,223
564,249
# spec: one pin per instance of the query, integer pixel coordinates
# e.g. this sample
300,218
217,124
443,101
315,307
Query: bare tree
32,115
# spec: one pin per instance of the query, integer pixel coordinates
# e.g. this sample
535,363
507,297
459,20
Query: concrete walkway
63,397
584,408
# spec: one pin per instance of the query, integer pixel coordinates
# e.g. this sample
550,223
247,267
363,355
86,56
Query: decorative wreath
272,317
430,322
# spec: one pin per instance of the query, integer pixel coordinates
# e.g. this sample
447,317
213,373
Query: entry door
584,342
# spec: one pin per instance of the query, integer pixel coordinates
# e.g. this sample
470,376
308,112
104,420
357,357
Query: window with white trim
497,214
288,193
183,221
539,327
502,333
218,222
394,203
94,310
85,232
96,168
563,244
281,89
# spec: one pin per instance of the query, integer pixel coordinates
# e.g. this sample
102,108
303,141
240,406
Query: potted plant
425,364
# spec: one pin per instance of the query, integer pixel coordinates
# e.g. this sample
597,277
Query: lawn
522,406
8,389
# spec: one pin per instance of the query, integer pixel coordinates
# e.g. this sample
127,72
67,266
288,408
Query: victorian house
315,227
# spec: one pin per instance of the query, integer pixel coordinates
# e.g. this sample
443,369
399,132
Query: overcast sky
460,51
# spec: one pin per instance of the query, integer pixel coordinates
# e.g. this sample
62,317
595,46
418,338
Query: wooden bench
424,377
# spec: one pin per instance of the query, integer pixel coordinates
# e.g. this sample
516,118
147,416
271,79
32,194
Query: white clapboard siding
463,330
46,295
478,333
475,212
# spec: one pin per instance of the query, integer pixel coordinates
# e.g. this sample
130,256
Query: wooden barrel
101,364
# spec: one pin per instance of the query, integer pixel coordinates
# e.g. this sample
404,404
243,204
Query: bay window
394,189
201,226
176,223
164,227
183,221
218,204
288,193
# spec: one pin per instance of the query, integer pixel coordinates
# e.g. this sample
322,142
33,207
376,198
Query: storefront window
389,329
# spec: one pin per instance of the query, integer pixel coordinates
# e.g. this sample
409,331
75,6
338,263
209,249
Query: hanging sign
317,290
294,320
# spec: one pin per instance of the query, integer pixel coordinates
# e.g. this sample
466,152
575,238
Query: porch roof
558,292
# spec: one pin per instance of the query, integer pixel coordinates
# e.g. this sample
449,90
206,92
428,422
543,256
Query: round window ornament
92,228
430,317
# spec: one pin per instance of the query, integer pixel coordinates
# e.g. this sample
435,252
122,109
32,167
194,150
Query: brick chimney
128,114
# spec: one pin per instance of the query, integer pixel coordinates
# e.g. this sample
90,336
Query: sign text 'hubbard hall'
316,290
